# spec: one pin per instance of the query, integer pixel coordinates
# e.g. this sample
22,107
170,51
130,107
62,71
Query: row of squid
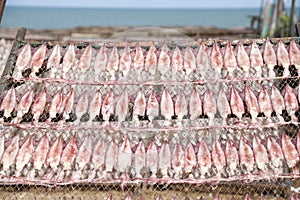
138,107
108,159
153,61
217,197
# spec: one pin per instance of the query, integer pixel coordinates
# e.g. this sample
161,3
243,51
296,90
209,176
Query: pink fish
121,109
270,57
85,60
82,105
84,153
39,104
163,64
189,61
243,58
151,60
294,197
55,105
152,107
98,155
113,62
158,197
62,105
274,151
298,94
8,102
24,57
289,151
230,62
181,106
24,105
178,160
69,154
256,59
100,60
108,106
140,158
138,59
40,154
218,156
278,103
247,197
139,106
166,105
236,103
176,61
291,102
251,103
164,159
202,57
260,153
24,154
209,106
204,158
190,159
216,59
232,157
283,58
246,155
125,61
54,58
294,55
152,158
54,154
111,161
67,104
23,61
195,105
95,105
124,156
69,59
38,59
110,197
10,153
264,101
223,106
174,197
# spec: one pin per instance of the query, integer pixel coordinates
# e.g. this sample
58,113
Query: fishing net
185,181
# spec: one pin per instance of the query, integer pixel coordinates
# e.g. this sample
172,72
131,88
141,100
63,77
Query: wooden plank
291,28
297,27
2,6
267,14
19,37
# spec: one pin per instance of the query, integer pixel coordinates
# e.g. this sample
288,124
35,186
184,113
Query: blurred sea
56,18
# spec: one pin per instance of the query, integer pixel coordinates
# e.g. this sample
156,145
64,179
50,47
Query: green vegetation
282,29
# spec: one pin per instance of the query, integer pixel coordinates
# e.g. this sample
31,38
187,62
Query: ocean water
56,18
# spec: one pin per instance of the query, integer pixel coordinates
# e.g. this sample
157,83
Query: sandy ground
140,192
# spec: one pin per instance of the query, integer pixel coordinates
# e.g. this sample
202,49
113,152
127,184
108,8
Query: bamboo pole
291,28
2,6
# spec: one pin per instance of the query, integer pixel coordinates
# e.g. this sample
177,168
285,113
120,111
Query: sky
139,3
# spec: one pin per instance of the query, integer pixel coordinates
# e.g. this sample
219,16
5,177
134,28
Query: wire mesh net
151,120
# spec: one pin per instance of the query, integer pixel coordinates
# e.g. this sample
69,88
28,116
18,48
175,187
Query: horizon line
125,7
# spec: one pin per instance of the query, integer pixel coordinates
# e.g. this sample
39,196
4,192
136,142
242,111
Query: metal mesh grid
274,182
